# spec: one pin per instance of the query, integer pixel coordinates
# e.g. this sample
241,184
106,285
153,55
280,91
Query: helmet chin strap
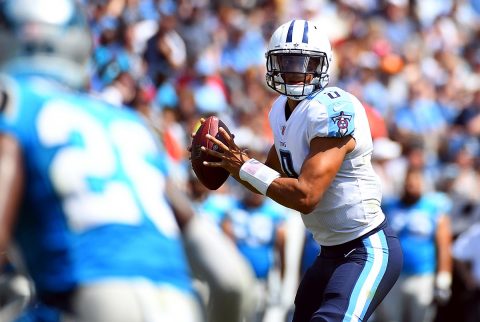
298,93
296,98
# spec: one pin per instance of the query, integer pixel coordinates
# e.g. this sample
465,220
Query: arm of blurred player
227,228
280,240
11,187
302,193
213,258
444,244
443,279
180,204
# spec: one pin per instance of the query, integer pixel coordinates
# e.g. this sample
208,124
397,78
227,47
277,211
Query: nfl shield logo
282,129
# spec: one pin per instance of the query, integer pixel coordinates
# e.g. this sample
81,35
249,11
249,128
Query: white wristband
443,280
258,175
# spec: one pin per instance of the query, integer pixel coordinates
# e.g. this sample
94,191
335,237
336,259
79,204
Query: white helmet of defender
298,47
48,37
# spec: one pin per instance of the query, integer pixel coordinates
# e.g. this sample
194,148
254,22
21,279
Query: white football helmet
298,48
46,37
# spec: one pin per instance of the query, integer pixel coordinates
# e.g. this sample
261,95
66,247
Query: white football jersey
351,206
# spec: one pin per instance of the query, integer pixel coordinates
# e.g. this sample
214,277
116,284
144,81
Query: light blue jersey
94,205
255,233
215,206
416,226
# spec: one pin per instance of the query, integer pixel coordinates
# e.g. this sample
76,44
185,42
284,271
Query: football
210,177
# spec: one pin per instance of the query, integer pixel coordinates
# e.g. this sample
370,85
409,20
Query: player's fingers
212,152
225,134
230,139
212,164
217,142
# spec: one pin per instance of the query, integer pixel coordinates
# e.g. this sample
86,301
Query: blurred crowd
414,64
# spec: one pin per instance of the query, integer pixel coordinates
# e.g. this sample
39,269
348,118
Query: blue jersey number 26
101,169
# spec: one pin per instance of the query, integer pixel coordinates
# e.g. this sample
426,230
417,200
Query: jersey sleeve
331,114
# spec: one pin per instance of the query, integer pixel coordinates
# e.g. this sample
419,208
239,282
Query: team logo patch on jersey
342,120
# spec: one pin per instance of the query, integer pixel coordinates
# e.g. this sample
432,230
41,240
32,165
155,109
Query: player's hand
232,157
442,290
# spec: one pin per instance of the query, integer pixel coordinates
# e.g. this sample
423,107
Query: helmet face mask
298,60
295,74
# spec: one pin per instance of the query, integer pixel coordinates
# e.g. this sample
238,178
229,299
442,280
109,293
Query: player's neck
292,103
290,106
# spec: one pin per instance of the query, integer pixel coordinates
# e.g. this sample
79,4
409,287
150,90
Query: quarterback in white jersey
350,206
320,166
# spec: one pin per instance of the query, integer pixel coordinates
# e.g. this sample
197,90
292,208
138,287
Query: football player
257,225
84,187
320,165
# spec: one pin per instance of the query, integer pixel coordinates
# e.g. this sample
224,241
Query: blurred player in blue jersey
82,183
320,165
228,274
421,221
257,225
84,188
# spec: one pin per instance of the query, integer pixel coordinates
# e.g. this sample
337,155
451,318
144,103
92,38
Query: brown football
211,177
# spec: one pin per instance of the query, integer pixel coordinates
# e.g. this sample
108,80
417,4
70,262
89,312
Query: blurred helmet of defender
298,58
46,37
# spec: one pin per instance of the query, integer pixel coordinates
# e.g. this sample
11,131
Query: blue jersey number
101,170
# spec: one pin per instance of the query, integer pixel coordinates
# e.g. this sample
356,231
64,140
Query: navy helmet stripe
290,31
305,33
